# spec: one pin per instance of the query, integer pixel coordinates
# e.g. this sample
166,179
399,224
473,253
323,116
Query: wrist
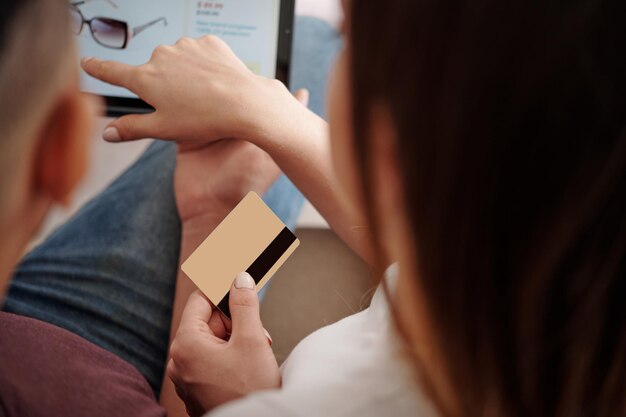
284,119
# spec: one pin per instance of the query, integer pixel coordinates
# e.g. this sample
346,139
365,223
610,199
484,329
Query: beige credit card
250,239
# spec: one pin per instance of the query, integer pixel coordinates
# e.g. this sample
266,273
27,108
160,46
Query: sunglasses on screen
107,32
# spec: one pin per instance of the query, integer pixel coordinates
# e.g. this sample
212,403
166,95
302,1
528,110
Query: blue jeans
109,274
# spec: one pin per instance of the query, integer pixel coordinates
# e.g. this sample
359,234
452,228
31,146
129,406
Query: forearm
192,237
300,145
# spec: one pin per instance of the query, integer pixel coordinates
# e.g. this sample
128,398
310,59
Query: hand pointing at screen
201,92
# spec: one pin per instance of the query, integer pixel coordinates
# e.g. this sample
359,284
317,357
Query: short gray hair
35,41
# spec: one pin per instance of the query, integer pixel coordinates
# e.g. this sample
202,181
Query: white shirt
350,368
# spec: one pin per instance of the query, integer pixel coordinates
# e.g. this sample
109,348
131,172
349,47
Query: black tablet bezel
119,106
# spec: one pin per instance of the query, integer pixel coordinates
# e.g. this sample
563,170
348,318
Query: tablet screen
128,31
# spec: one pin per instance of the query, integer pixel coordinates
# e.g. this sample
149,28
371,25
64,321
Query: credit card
250,239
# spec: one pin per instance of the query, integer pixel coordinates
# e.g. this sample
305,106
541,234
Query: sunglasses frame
127,34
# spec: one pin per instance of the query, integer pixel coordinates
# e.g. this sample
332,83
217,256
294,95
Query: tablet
258,31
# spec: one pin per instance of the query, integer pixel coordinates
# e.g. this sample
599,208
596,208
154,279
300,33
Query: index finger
198,311
112,72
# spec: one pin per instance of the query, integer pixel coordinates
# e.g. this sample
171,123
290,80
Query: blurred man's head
44,120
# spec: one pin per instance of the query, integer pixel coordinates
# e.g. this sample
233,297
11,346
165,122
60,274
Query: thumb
244,308
302,95
131,127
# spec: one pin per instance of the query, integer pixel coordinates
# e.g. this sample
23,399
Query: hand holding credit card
250,239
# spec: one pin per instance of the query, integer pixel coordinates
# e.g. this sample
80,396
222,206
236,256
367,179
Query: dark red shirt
48,371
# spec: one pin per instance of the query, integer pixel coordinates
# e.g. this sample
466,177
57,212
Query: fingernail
244,281
304,97
269,338
111,134
86,60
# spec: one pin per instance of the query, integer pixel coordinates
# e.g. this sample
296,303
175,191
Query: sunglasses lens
108,32
76,21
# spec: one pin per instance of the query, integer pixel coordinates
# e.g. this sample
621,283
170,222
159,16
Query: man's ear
62,149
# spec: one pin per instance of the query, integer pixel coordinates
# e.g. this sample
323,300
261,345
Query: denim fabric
109,274
315,47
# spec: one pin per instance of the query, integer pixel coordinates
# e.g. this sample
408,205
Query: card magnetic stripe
266,260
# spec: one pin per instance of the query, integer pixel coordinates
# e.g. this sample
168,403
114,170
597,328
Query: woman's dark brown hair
511,125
